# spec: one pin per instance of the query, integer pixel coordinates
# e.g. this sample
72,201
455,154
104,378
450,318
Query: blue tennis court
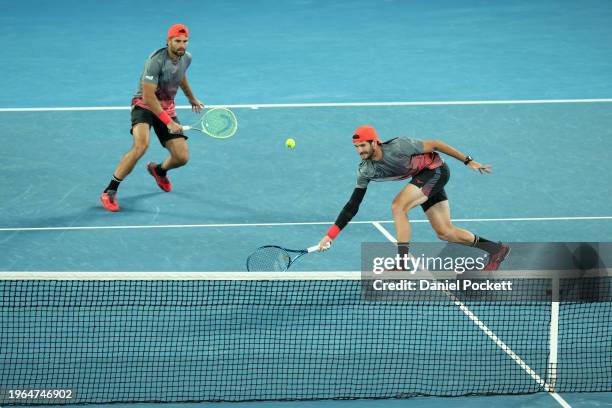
524,86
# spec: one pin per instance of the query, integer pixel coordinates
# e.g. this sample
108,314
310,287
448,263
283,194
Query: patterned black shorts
142,115
431,183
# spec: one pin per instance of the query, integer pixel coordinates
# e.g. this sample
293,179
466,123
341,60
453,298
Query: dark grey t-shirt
402,158
167,74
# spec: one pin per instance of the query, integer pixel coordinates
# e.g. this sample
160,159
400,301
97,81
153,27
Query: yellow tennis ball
290,143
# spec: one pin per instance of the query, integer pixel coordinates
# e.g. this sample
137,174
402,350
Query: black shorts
142,115
431,183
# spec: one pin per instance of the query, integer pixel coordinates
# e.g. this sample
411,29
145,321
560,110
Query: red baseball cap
365,133
177,30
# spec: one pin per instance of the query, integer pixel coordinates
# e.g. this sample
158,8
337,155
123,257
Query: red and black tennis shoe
497,258
162,182
109,200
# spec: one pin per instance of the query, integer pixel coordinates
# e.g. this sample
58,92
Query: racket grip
186,127
315,248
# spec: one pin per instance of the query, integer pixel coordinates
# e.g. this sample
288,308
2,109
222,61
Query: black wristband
467,160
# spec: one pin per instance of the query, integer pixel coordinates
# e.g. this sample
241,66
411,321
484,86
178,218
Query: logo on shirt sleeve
149,77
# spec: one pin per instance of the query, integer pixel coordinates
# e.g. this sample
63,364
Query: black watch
467,160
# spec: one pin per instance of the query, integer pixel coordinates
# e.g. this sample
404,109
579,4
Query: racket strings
219,123
269,259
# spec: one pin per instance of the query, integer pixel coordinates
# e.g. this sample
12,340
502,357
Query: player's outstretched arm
440,146
346,215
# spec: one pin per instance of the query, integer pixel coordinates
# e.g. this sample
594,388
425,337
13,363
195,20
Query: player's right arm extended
346,215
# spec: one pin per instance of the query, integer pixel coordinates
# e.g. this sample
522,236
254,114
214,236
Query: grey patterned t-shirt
167,74
402,158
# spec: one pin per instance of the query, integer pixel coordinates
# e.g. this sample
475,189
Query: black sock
160,172
403,248
114,184
486,245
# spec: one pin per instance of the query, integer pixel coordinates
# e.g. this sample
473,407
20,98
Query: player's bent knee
445,234
399,208
182,159
140,149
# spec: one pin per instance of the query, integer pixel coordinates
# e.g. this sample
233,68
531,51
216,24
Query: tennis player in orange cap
153,106
419,160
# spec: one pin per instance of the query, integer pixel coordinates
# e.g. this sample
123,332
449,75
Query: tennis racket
272,258
219,123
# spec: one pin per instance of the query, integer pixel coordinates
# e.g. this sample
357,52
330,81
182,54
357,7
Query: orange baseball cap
177,30
365,133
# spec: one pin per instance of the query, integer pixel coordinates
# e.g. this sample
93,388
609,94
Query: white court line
285,224
384,231
327,105
491,335
506,349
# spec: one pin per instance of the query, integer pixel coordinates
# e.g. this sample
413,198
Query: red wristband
333,231
164,117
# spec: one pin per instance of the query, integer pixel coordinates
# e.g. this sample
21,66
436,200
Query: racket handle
186,127
315,248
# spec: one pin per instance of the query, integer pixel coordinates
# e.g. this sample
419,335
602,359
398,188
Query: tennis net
136,337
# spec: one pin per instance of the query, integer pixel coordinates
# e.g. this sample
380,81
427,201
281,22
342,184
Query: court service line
506,349
288,224
491,335
384,231
327,104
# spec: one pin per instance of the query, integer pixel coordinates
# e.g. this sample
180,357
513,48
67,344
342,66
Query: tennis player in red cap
402,158
153,106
